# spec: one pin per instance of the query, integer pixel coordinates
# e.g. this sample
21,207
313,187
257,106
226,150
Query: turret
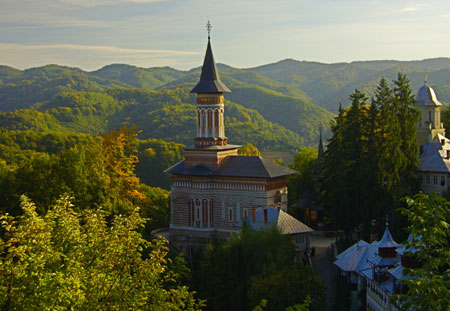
430,115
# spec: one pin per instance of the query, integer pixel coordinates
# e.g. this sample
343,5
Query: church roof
235,166
387,241
426,96
433,158
209,79
284,222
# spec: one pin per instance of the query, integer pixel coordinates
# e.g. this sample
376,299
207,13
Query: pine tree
408,116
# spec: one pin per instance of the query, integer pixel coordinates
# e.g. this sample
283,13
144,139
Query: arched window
209,122
216,123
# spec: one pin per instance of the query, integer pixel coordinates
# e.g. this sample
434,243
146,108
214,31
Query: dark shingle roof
209,79
235,166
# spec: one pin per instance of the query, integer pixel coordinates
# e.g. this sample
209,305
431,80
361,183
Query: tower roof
426,96
387,241
209,79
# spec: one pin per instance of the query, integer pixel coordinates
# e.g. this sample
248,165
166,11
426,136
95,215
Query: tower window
442,180
428,179
435,180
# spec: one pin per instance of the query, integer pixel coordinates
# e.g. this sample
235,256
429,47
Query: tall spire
209,79
320,151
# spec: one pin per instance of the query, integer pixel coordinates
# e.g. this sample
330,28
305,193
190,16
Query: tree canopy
429,284
85,261
254,265
372,158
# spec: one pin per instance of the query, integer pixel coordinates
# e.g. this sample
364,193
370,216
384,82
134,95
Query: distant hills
278,106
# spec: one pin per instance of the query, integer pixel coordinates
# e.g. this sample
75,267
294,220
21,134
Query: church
214,190
434,147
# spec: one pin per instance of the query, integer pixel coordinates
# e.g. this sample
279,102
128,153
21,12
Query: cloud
92,57
98,48
92,3
415,7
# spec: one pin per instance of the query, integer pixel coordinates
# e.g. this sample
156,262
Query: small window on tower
442,180
428,179
435,180
245,213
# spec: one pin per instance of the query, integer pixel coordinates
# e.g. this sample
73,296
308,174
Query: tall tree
408,116
371,161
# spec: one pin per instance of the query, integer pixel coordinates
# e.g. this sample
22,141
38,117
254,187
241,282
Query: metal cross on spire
425,77
208,28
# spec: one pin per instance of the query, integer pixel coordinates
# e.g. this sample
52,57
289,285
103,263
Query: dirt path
322,264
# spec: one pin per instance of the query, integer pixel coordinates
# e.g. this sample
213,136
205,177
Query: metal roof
353,258
235,166
284,222
433,158
426,96
209,79
387,241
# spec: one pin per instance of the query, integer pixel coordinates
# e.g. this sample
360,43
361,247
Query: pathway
322,264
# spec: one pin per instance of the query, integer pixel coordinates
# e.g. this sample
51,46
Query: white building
434,147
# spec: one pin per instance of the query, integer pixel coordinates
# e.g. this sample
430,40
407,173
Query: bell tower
429,125
211,145
210,107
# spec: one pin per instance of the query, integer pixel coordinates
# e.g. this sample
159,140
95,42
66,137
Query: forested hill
40,99
278,106
328,85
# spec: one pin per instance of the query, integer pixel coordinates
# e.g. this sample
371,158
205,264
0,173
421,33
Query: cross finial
208,28
387,220
425,78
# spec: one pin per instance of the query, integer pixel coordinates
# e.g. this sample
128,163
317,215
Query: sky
90,34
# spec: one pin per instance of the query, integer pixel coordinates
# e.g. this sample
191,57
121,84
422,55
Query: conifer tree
408,116
371,160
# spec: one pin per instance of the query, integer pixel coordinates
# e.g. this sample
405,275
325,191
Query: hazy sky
92,33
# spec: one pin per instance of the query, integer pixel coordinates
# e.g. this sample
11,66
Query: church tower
215,191
211,145
429,125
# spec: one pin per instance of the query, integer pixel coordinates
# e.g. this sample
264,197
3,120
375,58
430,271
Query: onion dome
426,96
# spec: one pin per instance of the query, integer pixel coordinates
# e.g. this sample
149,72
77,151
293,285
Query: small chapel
214,190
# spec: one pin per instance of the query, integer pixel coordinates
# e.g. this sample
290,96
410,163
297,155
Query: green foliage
97,172
166,115
371,160
255,265
249,150
155,156
429,284
303,163
68,260
37,88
